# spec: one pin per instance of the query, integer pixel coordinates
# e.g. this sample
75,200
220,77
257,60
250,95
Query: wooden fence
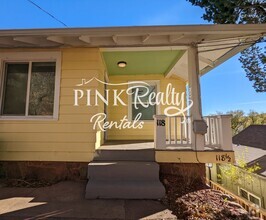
249,206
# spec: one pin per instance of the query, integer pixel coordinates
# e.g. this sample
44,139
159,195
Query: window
254,199
28,89
15,89
29,85
142,96
244,194
249,196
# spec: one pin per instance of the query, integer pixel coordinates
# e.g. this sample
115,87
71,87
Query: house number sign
223,158
161,123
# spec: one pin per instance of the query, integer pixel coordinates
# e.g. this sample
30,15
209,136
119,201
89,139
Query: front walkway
65,200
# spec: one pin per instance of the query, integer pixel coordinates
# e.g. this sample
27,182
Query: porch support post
197,140
225,132
159,131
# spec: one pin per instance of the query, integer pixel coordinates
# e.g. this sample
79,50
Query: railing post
225,132
159,131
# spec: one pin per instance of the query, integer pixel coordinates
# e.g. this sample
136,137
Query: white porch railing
176,132
212,137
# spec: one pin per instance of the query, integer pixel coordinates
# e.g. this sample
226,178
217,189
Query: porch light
122,64
209,165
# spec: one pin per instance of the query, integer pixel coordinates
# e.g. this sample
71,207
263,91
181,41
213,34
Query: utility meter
200,127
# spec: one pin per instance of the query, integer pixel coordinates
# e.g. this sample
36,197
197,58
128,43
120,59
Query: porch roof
216,43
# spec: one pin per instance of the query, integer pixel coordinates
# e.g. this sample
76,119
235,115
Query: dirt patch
43,171
196,201
29,183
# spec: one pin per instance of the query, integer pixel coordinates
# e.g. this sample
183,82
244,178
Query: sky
223,89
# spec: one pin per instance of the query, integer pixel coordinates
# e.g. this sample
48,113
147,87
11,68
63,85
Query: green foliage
241,121
241,12
235,174
233,11
253,61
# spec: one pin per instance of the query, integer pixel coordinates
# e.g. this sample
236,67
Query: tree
240,171
253,59
240,121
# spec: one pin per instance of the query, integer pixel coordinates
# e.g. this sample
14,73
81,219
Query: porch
172,120
173,142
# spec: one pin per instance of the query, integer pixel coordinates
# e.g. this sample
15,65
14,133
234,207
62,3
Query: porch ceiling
211,55
141,62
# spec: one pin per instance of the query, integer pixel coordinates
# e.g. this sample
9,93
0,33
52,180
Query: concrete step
124,190
124,180
125,155
123,170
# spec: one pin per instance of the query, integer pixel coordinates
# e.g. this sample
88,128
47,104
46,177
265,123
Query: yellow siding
116,113
71,137
101,88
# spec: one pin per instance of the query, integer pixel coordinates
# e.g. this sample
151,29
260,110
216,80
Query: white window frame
150,82
249,193
29,57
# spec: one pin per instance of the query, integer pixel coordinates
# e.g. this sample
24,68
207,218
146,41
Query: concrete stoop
124,180
125,155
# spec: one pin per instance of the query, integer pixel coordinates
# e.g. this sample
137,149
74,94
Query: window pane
42,85
254,200
147,113
15,89
244,194
141,91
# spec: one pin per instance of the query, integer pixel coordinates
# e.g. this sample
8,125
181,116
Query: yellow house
79,96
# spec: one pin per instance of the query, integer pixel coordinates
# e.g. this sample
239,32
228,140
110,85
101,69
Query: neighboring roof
262,164
216,43
251,155
252,136
250,145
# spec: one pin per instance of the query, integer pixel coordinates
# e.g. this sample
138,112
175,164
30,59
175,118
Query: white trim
206,61
158,48
32,57
145,38
28,40
158,110
249,193
114,38
174,38
28,90
2,79
28,56
105,68
174,69
232,52
56,39
130,36
85,39
247,29
57,86
30,118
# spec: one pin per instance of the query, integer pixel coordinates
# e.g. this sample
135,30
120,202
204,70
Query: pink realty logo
141,94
